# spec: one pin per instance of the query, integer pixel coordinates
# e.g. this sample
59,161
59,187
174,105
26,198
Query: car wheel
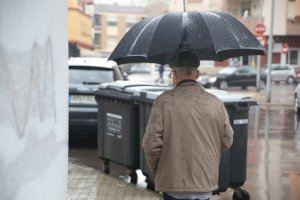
296,104
244,195
244,87
290,80
223,85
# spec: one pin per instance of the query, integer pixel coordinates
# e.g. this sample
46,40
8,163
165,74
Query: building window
97,20
294,57
112,20
246,9
97,39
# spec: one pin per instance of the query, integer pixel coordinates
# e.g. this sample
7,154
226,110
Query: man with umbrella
187,130
188,127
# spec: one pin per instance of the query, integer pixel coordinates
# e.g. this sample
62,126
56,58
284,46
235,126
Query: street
273,157
80,73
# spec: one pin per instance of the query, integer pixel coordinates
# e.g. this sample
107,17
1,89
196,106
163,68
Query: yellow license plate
82,99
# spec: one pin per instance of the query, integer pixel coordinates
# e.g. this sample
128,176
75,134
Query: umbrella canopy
209,35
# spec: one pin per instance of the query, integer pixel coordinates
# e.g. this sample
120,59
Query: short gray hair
188,71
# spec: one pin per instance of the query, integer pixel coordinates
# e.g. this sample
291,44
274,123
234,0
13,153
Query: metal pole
259,57
270,49
184,6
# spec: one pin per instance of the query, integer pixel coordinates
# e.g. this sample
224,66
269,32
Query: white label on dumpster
240,121
114,125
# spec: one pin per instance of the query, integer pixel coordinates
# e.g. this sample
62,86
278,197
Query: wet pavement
273,168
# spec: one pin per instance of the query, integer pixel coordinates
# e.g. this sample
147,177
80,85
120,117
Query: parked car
206,81
297,99
281,72
85,74
238,76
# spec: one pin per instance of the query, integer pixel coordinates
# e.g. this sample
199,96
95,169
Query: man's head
185,66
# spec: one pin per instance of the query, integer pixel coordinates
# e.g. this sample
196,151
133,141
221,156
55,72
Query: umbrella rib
139,35
208,30
232,32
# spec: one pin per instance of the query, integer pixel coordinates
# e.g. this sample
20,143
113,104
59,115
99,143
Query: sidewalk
87,182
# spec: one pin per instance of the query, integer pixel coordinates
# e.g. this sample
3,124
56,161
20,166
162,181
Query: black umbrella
209,35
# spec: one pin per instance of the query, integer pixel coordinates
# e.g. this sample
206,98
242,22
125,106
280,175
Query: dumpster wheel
240,194
104,165
150,184
133,176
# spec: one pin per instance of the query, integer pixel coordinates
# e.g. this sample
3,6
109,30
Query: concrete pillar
33,100
283,58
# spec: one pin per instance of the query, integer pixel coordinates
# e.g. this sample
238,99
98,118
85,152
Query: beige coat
186,132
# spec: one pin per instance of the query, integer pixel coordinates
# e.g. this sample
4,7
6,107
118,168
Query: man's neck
185,80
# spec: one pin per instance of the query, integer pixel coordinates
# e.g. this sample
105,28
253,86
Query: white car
281,72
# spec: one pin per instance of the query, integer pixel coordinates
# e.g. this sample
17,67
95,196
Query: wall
33,100
79,27
297,12
280,16
195,5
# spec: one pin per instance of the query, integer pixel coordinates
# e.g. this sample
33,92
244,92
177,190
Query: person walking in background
187,130
161,70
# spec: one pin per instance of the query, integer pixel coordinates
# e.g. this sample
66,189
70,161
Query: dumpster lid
122,85
225,96
151,89
228,97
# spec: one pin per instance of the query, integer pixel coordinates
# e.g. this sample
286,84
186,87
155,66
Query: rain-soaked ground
273,168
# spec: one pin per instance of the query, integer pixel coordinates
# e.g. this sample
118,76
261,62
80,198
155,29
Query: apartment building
79,28
111,22
286,23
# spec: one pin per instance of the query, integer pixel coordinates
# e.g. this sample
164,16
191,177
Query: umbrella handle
184,5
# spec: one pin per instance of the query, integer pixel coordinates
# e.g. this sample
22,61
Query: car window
287,67
247,70
242,71
252,70
90,75
275,67
227,70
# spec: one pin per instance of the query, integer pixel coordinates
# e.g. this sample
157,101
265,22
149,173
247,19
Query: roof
99,8
91,62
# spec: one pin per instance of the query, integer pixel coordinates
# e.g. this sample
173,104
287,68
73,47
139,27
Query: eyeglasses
171,74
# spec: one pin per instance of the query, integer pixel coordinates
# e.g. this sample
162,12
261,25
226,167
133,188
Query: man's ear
174,73
198,74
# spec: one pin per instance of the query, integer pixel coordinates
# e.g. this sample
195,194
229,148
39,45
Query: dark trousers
168,197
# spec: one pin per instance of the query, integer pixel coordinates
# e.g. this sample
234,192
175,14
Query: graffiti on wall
37,90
